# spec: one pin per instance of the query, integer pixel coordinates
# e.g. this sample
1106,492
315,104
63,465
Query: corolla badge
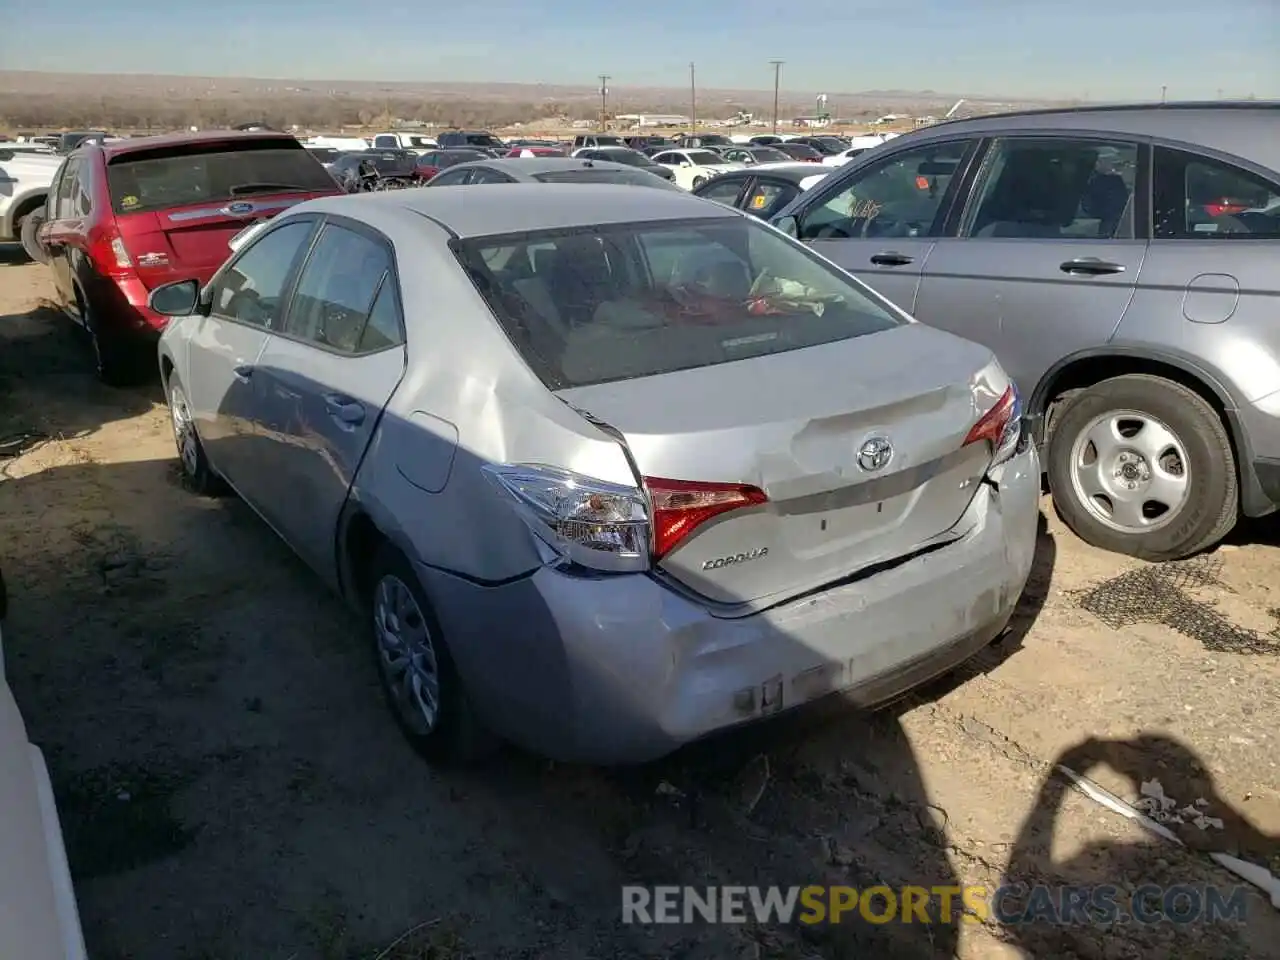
240,207
875,454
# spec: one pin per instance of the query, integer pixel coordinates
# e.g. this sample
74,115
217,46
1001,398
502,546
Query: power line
777,78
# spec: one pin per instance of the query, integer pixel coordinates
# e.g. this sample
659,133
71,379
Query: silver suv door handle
1091,267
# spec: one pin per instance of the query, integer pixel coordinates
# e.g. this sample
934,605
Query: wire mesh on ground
1162,594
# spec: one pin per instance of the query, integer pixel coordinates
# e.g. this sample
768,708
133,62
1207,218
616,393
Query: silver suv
1121,262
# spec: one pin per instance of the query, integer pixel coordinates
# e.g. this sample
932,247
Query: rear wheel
419,680
1143,466
114,358
698,181
26,227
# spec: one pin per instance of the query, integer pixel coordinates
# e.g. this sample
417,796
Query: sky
1078,49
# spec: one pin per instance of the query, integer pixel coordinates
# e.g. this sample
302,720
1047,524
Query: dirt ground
231,785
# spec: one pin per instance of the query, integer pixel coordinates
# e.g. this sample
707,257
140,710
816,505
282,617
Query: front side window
1055,189
769,196
641,299
1197,198
902,197
336,289
252,288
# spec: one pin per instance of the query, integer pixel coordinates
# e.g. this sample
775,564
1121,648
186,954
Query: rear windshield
597,175
202,173
636,300
481,140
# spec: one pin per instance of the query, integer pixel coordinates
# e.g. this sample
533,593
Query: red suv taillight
1001,426
681,506
110,256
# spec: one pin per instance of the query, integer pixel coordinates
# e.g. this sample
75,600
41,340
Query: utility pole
693,102
1163,91
777,79
604,101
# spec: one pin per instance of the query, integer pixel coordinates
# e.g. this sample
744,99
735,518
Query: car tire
1123,448
419,680
197,474
25,230
115,361
697,182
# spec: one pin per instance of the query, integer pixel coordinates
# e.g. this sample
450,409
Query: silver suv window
1055,188
1199,198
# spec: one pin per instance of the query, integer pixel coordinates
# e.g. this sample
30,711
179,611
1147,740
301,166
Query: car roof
1245,128
527,207
532,166
794,171
231,137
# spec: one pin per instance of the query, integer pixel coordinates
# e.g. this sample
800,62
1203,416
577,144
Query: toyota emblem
875,454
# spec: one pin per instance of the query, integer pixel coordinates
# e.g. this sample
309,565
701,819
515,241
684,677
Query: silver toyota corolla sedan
607,469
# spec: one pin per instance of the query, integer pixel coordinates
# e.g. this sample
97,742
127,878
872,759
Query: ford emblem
240,207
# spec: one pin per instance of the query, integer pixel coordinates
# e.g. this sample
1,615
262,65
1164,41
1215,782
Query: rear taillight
589,522
110,256
614,527
1001,426
681,506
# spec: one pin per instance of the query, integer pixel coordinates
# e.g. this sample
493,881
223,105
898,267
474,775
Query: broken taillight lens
1001,426
589,522
681,506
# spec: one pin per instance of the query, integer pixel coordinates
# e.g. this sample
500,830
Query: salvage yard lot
231,785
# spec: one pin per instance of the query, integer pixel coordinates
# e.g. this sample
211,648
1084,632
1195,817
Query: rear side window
1198,198
597,175
637,300
1056,189
204,173
336,289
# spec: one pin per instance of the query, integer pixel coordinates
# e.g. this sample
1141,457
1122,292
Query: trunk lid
179,243
793,424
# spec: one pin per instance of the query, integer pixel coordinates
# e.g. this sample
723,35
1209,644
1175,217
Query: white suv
24,185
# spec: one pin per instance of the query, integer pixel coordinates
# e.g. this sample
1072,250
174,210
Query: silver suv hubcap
1130,471
406,654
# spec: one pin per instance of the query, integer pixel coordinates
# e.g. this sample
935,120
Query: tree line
315,112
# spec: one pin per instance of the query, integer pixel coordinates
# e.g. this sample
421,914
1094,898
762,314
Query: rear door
1047,257
1214,249
57,232
880,220
176,207
323,382
247,301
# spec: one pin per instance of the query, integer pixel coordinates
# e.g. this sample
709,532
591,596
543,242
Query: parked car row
782,443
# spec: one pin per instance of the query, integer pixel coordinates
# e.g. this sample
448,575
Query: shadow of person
1159,895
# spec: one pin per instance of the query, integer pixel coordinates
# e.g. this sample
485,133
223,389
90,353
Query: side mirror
685,163
175,299
788,225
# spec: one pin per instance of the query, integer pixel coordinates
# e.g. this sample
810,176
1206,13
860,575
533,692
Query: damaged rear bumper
620,669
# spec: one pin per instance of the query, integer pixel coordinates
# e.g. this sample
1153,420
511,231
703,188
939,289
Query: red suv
126,216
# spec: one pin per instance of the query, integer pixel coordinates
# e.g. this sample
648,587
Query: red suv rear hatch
177,205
